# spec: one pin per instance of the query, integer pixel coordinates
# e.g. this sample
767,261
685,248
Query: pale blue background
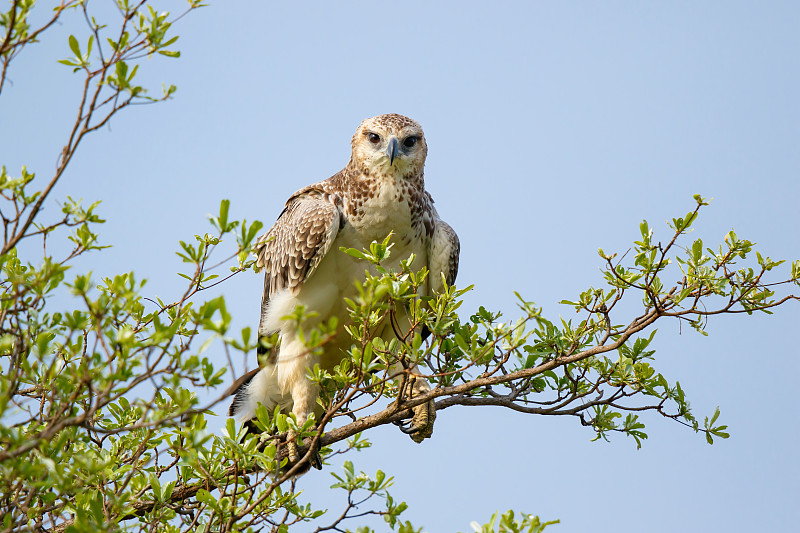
554,129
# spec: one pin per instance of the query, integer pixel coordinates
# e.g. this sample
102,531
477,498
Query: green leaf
358,254
74,46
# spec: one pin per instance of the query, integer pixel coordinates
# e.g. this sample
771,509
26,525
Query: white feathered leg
294,363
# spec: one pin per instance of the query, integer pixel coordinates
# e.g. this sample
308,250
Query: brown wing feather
291,251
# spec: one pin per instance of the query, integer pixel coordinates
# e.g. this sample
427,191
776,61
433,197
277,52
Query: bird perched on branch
381,190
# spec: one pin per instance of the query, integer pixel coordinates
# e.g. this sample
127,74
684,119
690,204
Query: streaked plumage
381,190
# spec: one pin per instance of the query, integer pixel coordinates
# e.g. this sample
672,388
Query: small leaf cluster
508,523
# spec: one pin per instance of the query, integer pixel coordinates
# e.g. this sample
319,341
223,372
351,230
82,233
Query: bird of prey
381,190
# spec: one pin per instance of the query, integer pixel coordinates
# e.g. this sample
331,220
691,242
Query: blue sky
553,129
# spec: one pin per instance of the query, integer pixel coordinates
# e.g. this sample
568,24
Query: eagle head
390,145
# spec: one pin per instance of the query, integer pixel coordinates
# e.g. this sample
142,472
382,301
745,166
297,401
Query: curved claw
407,426
408,429
315,459
403,422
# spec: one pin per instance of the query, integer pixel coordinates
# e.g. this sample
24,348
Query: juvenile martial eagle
381,190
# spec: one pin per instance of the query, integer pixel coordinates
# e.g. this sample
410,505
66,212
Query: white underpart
264,389
323,293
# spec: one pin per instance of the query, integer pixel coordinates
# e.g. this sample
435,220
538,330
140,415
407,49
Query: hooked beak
391,150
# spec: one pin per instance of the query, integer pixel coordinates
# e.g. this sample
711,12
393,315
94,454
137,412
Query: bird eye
374,138
410,142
